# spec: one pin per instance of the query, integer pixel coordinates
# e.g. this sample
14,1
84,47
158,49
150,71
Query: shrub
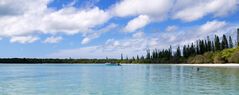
218,59
209,57
198,59
234,58
227,53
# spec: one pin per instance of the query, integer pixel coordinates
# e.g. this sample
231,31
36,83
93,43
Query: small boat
113,64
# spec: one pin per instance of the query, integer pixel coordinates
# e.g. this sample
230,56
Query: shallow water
69,79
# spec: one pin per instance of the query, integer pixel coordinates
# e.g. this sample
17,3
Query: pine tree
137,57
224,44
206,46
170,52
142,57
201,46
209,44
217,43
185,51
197,48
127,58
178,52
133,58
238,36
148,54
230,42
122,58
213,46
192,49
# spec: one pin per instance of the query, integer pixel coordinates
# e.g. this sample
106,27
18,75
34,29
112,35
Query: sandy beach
211,65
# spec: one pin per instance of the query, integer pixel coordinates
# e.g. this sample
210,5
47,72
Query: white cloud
23,39
20,7
53,39
135,45
186,35
21,18
95,34
80,20
190,10
137,23
86,52
138,35
212,26
171,28
154,8
34,17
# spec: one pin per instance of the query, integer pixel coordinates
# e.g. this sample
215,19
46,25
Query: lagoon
99,79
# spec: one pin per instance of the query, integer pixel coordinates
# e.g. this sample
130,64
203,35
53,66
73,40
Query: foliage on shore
225,56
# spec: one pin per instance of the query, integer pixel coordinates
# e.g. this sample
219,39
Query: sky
109,28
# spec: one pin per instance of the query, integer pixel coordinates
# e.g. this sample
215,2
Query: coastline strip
210,65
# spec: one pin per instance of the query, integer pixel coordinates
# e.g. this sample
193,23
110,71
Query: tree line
182,54
193,49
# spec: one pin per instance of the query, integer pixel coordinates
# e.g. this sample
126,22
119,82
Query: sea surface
100,79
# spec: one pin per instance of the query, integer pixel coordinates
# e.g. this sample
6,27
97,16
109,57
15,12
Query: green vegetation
225,56
202,51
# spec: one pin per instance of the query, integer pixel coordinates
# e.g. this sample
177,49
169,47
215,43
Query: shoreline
211,65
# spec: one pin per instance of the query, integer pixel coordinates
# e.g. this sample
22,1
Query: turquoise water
117,80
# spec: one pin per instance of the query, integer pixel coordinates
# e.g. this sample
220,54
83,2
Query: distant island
220,50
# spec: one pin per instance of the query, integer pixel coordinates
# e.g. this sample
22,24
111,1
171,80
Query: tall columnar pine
192,49
178,53
198,49
121,57
230,42
209,44
213,46
142,57
148,54
137,57
217,43
133,58
185,51
170,52
224,44
238,36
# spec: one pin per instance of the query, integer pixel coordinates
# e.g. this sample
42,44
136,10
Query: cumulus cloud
186,10
34,17
20,7
23,39
25,18
137,23
54,22
159,10
53,39
190,10
152,8
80,20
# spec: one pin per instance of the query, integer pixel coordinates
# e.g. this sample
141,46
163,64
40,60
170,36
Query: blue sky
100,28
